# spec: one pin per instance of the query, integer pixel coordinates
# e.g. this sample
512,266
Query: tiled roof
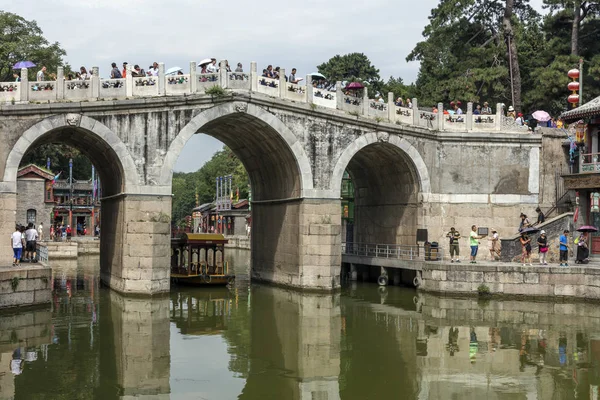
589,109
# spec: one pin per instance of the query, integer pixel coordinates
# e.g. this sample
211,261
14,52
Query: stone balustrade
357,104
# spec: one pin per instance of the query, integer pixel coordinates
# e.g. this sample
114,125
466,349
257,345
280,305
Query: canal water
261,342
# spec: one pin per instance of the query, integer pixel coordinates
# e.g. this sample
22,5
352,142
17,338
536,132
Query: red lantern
573,86
574,98
574,73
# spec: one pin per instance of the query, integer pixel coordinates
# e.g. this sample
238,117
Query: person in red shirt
69,232
124,73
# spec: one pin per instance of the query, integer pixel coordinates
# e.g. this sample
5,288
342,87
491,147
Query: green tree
202,183
576,11
22,40
353,67
464,54
59,155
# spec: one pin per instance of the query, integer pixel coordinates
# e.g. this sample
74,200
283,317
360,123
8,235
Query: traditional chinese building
233,222
584,178
42,199
35,201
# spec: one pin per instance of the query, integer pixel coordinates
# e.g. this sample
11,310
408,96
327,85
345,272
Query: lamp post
71,193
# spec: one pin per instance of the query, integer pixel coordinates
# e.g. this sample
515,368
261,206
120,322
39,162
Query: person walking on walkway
564,248
474,243
543,247
16,240
495,247
525,249
454,235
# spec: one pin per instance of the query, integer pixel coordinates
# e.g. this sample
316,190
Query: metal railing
394,251
42,252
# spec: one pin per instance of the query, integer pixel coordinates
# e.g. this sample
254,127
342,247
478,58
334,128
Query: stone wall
25,286
512,280
554,227
31,195
238,242
135,256
61,250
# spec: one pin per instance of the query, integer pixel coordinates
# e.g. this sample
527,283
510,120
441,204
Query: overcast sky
300,34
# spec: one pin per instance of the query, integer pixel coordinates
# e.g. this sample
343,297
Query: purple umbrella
587,228
23,64
541,116
354,85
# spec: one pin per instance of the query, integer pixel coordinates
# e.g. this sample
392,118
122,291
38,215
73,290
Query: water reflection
262,342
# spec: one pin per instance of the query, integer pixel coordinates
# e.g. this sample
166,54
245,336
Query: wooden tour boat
191,266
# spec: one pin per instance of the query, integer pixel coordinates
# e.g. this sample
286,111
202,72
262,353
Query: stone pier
135,255
301,334
141,342
297,243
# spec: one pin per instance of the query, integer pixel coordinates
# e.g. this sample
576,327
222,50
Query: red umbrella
354,85
587,228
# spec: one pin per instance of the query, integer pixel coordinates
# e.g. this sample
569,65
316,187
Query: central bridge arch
280,175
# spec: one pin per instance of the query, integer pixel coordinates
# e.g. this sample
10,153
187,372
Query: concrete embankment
25,285
238,242
581,282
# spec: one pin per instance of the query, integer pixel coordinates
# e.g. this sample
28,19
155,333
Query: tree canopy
22,40
466,54
352,67
202,183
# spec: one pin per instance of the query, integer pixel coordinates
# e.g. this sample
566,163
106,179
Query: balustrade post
469,122
440,117
391,108
365,101
95,81
24,86
193,77
223,74
253,77
339,101
161,79
310,93
499,116
60,83
282,84
416,116
129,83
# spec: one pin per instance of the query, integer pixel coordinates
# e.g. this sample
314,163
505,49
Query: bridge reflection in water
262,342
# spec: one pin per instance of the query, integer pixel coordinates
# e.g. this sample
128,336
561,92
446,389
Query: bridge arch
94,139
389,176
114,165
372,138
257,137
281,177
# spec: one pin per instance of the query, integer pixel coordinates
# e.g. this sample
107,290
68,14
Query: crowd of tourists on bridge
209,66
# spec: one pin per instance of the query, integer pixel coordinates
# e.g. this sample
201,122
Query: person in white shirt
41,75
16,241
212,67
31,236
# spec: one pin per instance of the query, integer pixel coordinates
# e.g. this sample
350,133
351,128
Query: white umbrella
205,61
173,70
318,75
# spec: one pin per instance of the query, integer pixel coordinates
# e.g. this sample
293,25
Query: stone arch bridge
406,175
